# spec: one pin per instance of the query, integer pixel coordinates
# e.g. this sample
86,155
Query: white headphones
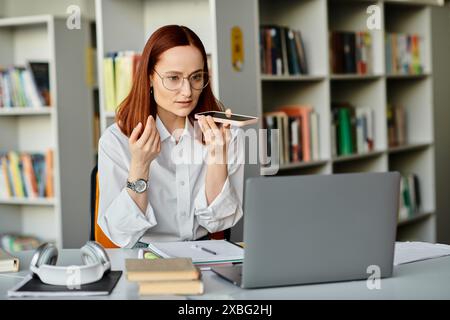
96,263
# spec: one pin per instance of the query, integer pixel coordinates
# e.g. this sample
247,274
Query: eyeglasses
174,81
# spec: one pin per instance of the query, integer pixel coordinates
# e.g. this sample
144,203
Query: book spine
286,135
303,64
394,54
349,52
392,140
345,139
4,192
306,136
269,52
108,74
284,51
49,187
293,53
388,54
294,139
370,118
315,135
360,131
15,174
29,175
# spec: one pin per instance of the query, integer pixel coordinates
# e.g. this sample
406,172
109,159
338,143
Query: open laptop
318,228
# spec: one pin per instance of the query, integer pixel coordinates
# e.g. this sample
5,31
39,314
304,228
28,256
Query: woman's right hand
145,148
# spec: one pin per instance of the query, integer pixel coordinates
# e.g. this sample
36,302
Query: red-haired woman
161,176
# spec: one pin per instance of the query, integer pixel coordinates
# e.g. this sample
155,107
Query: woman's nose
186,89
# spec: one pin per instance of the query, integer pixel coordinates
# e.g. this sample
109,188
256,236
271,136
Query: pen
204,249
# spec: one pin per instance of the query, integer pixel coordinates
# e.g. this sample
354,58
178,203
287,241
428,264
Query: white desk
420,280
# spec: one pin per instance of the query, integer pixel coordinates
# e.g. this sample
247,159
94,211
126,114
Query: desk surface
428,279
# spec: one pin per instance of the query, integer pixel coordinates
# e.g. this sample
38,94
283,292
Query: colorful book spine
49,190
23,175
345,138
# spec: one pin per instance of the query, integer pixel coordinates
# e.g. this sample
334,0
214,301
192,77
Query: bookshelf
320,87
64,127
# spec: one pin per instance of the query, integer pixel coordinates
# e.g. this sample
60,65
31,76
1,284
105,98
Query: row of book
396,125
298,134
16,242
119,69
352,129
26,175
410,197
404,53
351,52
282,51
25,86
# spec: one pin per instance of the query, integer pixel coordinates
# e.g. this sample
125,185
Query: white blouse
177,207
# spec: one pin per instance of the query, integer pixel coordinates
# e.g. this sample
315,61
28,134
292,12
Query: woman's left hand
217,139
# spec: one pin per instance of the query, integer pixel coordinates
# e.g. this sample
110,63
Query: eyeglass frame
187,78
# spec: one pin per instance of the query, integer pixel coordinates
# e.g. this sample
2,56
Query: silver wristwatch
138,186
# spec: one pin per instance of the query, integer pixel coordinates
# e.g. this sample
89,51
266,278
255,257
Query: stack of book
396,125
171,276
25,86
26,175
16,242
352,129
282,51
119,69
404,53
410,198
8,263
351,52
298,134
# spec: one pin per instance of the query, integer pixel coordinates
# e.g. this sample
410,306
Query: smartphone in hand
234,119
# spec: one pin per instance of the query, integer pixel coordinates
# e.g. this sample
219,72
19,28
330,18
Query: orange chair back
100,237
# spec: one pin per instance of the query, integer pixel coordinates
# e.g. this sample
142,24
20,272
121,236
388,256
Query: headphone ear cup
46,253
92,252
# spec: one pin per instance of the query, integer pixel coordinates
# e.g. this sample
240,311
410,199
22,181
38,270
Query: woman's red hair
139,103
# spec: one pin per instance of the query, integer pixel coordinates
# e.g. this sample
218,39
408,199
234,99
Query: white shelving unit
65,127
315,19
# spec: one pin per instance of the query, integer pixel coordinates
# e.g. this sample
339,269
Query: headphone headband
95,259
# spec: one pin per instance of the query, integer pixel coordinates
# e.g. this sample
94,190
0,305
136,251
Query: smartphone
238,120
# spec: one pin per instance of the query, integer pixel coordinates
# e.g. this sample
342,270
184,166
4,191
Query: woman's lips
184,103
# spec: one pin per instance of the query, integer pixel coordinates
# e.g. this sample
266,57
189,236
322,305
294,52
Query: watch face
140,185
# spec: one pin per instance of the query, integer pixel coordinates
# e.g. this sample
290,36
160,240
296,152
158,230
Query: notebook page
206,251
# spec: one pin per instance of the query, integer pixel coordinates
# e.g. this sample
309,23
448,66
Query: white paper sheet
406,252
